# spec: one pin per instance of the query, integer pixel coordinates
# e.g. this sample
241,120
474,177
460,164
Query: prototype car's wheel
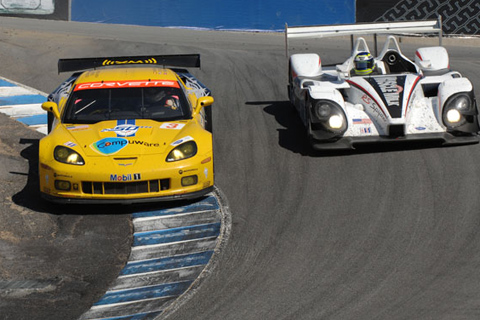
291,95
308,123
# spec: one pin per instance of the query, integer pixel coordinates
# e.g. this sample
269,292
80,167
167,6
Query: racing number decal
171,125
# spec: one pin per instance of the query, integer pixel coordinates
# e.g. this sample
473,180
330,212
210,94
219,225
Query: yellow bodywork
126,160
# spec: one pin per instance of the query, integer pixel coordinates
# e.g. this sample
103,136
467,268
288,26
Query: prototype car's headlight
67,155
335,122
455,110
453,116
184,151
330,115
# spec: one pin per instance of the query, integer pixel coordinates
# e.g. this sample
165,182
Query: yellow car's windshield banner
127,84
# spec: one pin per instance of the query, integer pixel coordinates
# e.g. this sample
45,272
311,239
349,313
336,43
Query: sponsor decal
125,177
366,130
370,102
127,84
70,144
109,145
390,90
362,121
180,141
144,143
420,128
374,107
125,128
77,128
108,62
172,125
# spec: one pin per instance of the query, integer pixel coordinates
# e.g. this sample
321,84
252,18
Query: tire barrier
459,16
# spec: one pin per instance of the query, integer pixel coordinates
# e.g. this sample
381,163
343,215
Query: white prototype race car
397,100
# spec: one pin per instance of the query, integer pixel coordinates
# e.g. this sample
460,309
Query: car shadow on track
292,134
294,138
29,197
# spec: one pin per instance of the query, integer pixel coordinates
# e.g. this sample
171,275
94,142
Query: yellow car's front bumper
138,181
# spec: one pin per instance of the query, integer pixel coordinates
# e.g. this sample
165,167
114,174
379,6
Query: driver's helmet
154,95
364,63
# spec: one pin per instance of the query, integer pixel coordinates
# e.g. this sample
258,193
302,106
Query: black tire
208,119
49,121
308,125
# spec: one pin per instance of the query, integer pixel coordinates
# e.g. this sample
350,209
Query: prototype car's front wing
443,138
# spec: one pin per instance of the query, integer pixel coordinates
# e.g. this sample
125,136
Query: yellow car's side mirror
203,102
52,107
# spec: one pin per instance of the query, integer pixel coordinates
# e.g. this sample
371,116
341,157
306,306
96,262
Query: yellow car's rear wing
177,60
402,27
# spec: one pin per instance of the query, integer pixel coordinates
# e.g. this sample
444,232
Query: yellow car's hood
127,138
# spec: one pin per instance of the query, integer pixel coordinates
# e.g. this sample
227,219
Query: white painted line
15,91
41,128
147,246
22,110
12,91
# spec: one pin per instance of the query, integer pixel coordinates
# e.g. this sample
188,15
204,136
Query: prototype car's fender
327,113
456,97
451,86
432,58
326,93
306,65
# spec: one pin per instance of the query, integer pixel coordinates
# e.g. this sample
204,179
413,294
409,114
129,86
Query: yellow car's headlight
67,155
184,151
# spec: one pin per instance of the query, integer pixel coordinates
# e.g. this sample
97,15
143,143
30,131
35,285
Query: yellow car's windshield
156,103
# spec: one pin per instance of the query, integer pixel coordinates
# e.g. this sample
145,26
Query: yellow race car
126,130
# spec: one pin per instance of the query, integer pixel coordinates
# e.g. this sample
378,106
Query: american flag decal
362,121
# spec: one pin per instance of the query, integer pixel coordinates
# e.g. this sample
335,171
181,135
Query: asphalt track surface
384,233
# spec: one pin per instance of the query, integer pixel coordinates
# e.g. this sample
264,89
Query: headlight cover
184,151
68,156
456,109
330,115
